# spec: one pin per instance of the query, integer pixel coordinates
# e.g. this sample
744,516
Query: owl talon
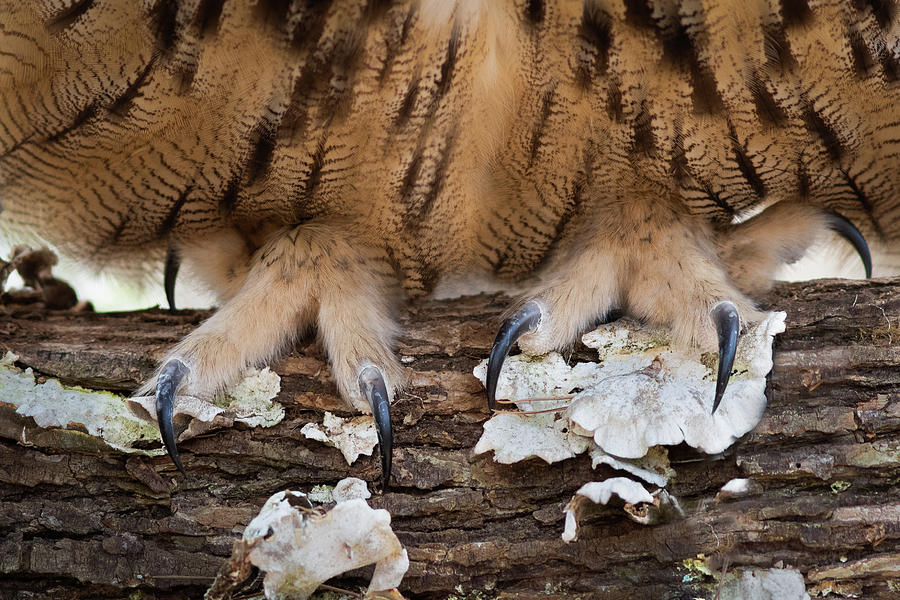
167,383
524,320
373,387
173,261
847,230
728,325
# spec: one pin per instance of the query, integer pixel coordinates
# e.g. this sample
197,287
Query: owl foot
312,275
649,259
371,385
527,319
664,269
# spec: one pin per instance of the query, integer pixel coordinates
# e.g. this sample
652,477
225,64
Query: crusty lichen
762,584
642,394
251,398
50,404
352,436
299,549
250,401
123,423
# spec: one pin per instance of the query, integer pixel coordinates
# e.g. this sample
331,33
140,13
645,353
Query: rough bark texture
77,523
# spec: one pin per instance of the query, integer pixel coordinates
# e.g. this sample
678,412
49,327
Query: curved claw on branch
847,230
728,326
167,383
173,261
372,386
524,320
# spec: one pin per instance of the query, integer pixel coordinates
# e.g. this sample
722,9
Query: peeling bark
81,520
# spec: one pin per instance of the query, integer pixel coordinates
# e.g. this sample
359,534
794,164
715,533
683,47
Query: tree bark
87,521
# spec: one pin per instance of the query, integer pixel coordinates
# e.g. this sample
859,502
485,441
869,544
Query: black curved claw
847,230
524,320
371,384
728,325
173,261
167,383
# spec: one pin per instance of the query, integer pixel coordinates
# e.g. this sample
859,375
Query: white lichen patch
250,401
546,435
737,487
321,494
299,549
353,436
643,392
50,404
123,422
763,584
351,488
540,377
661,395
600,492
517,437
348,488
653,467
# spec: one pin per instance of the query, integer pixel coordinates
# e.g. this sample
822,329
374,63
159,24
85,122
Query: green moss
697,568
460,594
100,414
69,415
884,333
840,486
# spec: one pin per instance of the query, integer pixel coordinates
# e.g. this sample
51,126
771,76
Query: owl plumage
316,163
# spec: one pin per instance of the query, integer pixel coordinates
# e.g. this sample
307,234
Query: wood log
79,519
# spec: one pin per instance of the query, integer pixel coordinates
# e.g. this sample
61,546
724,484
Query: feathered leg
313,274
645,255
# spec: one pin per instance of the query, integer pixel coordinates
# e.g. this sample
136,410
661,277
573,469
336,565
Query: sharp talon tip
167,383
373,387
524,320
728,326
847,230
170,273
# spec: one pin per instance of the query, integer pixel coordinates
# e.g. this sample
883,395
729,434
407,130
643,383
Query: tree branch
81,520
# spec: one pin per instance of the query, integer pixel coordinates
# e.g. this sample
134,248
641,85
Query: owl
319,164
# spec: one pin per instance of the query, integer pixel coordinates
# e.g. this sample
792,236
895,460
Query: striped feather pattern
465,134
